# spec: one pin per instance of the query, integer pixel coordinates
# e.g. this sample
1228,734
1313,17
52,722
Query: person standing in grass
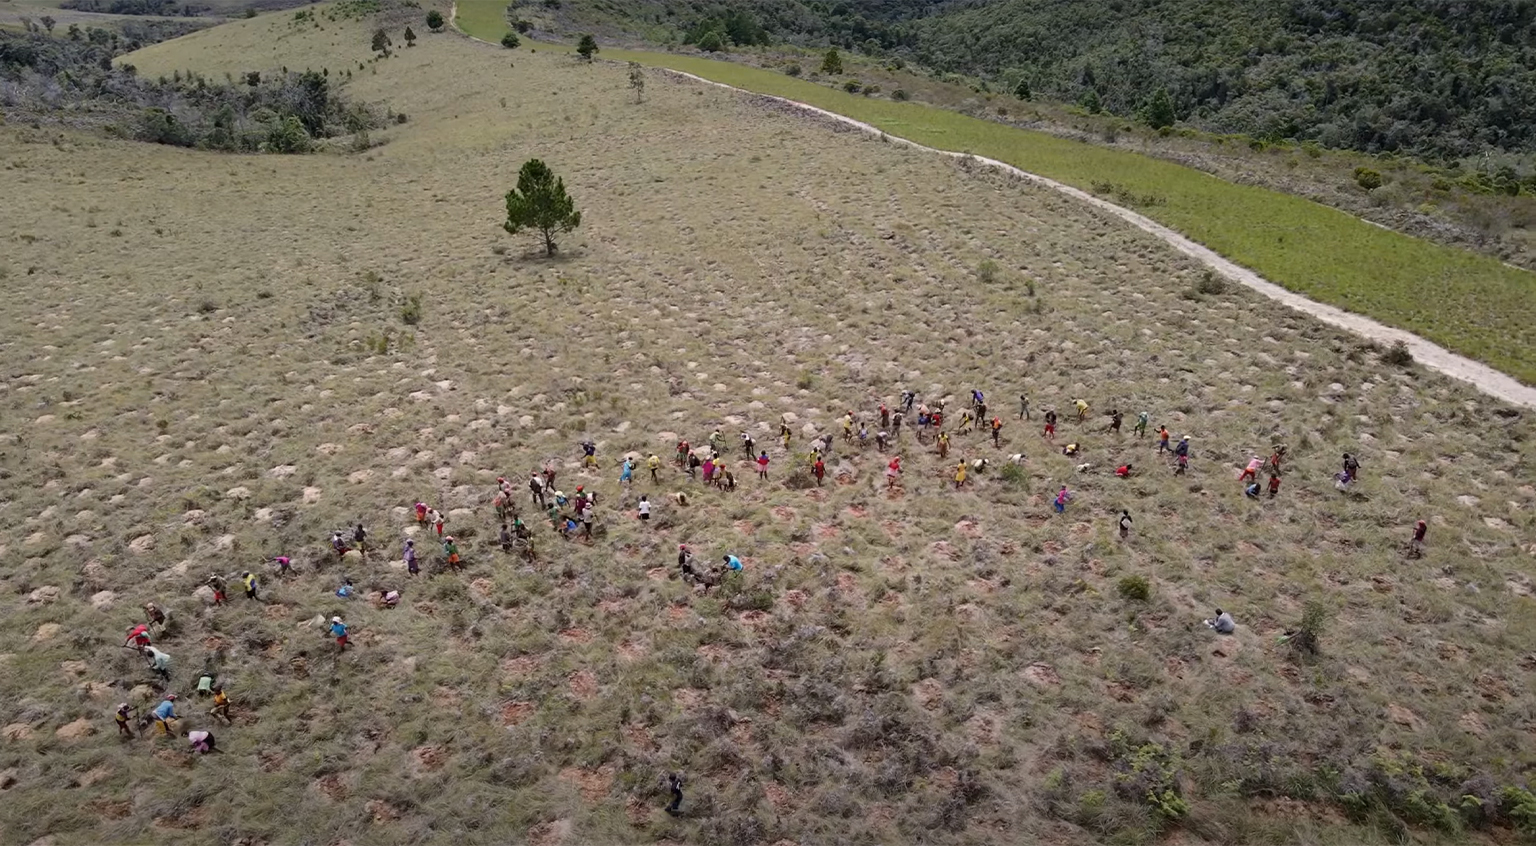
1274,485
709,469
885,417
1050,424
1251,472
339,631
762,465
959,475
653,464
683,451
248,581
421,512
220,590
411,565
536,489
1062,498
1142,418
644,508
221,704
588,454
1275,458
451,551
943,445
1125,524
748,445
1023,406
784,434
967,419
907,399
1115,419
1416,546
1351,467
1162,439
893,472
438,523
120,716
997,432
848,428
819,470
627,472
675,787
360,538
716,441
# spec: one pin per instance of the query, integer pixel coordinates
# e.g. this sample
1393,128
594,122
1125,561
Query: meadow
208,364
1468,303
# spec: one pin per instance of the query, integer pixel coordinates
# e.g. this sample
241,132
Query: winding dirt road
1486,379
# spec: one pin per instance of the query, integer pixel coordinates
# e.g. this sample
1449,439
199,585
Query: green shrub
1135,588
853,86
410,310
871,90
832,63
899,95
1368,179
793,69
1398,355
510,41
987,271
435,21
1212,284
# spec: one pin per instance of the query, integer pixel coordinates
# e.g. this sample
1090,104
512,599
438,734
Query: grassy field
208,366
1465,302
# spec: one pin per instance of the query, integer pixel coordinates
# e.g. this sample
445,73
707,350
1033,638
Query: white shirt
645,507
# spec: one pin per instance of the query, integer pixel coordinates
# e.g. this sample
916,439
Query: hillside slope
214,369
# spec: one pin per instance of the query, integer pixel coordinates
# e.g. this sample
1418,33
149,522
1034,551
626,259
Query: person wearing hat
451,550
121,715
339,630
202,741
1181,454
205,683
165,712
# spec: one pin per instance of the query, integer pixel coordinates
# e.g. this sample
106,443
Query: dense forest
1441,79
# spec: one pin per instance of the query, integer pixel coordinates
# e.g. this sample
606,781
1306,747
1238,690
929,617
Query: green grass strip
1467,303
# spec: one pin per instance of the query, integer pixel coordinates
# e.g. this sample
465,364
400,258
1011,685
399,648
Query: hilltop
213,359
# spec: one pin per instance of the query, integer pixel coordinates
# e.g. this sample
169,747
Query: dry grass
929,665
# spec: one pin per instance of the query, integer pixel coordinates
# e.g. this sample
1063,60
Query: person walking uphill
762,465
588,454
819,470
1050,425
411,565
248,581
653,464
675,787
1142,418
1062,498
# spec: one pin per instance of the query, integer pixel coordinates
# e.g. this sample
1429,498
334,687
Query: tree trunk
549,242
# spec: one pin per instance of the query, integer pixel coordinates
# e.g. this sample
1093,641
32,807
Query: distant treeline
166,8
1442,79
75,82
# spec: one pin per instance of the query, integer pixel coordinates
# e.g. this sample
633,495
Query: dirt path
1431,355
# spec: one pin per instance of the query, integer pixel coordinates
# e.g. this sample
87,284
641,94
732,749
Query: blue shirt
165,710
338,629
733,562
344,591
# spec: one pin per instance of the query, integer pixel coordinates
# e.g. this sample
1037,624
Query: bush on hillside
793,69
1368,179
711,42
900,95
853,86
75,82
435,21
510,41
1135,588
832,63
1397,355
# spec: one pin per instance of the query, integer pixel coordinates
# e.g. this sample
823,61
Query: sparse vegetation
435,21
586,47
922,664
1134,588
832,63
1368,179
